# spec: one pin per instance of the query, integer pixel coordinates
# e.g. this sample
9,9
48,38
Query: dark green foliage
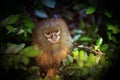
93,24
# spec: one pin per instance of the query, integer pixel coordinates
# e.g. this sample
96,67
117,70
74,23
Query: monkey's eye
47,34
57,31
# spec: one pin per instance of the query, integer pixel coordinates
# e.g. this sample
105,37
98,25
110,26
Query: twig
97,52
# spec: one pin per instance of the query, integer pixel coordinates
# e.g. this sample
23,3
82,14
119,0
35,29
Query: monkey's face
53,36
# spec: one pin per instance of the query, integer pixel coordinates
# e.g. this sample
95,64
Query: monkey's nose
54,37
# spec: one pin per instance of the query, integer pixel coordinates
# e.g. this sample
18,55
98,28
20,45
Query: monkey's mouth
54,40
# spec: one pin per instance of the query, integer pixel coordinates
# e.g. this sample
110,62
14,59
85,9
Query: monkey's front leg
51,73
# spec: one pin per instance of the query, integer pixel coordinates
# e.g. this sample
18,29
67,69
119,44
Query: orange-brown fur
53,54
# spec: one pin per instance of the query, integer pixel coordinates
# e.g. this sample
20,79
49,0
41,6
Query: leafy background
94,27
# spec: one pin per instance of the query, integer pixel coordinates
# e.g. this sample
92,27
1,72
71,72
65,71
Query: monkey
52,36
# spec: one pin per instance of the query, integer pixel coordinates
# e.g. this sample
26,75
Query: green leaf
90,10
103,61
114,28
99,41
18,48
10,20
49,3
10,48
10,28
25,60
16,59
111,36
85,71
80,64
104,47
22,67
108,14
20,31
76,37
92,58
85,38
29,30
70,58
41,14
82,56
30,52
75,53
25,33
28,24
10,44
66,62
34,68
82,24
98,57
57,78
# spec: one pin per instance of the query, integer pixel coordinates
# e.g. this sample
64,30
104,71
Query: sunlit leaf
88,64
90,10
80,64
30,52
99,41
98,58
10,20
21,31
82,55
92,58
75,53
96,47
104,47
49,3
